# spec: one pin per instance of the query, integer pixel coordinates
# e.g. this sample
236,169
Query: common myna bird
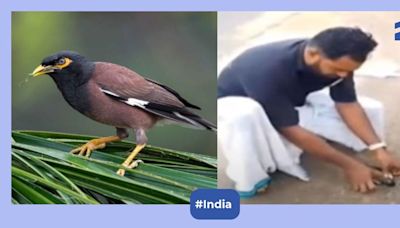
115,95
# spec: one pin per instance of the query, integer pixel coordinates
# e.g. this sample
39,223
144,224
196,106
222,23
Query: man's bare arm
360,176
356,119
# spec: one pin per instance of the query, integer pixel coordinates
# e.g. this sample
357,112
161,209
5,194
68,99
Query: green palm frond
44,172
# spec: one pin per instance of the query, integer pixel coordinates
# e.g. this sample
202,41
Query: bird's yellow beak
40,70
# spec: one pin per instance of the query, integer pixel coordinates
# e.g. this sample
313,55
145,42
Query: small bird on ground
115,95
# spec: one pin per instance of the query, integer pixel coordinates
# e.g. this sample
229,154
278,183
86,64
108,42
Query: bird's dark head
64,64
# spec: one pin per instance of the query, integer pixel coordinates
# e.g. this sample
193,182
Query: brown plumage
115,95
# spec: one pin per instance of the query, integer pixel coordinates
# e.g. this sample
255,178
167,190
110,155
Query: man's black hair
341,41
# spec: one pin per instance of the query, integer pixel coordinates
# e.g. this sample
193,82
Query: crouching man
279,76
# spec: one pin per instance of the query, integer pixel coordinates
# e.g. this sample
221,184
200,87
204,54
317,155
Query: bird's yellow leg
94,144
129,162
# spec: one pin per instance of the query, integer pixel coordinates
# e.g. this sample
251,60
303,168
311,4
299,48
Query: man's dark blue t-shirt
276,76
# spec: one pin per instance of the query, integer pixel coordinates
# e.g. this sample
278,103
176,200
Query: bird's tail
197,121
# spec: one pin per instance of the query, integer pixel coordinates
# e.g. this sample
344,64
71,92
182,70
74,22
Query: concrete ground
328,184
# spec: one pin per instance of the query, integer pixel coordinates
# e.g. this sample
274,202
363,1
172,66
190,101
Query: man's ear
313,55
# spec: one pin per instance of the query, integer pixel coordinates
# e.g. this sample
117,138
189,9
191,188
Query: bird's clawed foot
94,144
132,165
86,149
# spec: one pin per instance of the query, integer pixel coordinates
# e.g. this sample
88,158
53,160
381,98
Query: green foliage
44,172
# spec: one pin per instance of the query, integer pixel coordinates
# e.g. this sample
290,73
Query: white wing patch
136,102
129,101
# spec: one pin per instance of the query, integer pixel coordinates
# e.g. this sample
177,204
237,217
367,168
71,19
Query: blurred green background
176,49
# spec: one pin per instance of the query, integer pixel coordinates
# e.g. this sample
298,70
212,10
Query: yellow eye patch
63,63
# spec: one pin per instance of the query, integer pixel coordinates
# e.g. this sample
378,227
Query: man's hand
363,178
388,163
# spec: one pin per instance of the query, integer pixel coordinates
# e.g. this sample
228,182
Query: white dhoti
253,148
